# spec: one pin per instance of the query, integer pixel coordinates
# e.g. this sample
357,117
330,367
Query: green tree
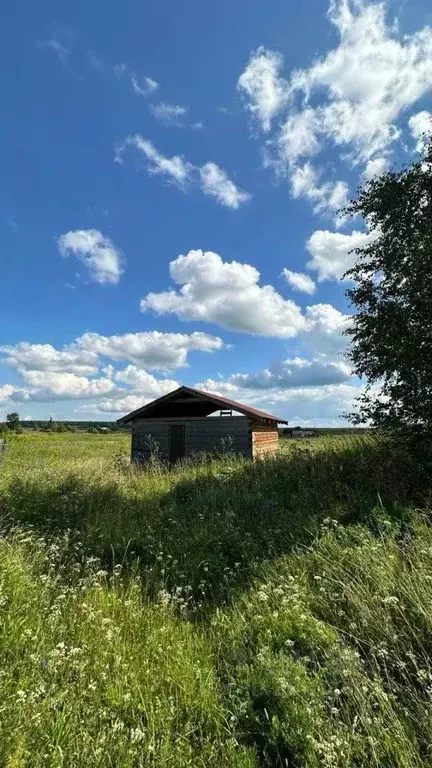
391,330
12,420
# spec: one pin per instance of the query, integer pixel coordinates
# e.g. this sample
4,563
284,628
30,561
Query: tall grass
222,614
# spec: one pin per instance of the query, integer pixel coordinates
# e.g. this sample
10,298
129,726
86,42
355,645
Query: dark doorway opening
177,442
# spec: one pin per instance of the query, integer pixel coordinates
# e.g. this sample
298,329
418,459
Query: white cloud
324,332
145,388
51,374
6,390
50,385
262,86
213,179
118,405
79,371
169,114
331,252
375,167
326,196
144,86
421,127
103,260
215,182
140,381
226,293
291,374
45,357
299,281
349,99
369,78
176,168
298,136
150,349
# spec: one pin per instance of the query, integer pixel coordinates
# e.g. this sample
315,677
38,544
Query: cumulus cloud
350,99
140,381
324,332
144,388
332,254
291,374
265,92
226,293
6,390
49,385
299,281
75,372
96,251
212,179
45,357
149,349
215,182
421,127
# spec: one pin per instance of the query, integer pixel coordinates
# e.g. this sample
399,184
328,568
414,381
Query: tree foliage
12,421
391,330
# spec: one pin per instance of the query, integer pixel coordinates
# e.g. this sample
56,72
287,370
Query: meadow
220,614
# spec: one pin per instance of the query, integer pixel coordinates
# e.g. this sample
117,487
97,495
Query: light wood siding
206,434
265,440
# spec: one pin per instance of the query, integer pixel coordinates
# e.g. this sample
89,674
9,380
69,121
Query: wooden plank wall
148,432
206,434
216,432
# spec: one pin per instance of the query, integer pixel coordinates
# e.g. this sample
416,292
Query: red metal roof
224,402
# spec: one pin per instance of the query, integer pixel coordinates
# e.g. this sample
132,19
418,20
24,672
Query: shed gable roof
207,404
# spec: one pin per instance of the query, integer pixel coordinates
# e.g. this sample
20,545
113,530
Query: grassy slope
215,640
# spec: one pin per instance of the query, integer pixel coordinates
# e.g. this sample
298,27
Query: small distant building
181,423
298,432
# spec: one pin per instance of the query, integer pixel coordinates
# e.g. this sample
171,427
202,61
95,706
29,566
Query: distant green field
65,448
224,613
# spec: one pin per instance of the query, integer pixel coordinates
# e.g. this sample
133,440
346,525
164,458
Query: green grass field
221,614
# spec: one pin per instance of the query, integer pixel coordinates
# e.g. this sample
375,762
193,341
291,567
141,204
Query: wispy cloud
176,169
142,85
215,182
212,179
95,61
169,114
59,40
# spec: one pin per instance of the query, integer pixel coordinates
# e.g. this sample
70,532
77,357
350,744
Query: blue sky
173,174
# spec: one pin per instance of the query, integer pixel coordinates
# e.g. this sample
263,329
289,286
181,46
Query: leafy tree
391,331
12,420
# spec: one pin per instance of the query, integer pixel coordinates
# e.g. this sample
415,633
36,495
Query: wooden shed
181,423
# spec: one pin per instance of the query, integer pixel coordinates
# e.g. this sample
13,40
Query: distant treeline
73,426
320,431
